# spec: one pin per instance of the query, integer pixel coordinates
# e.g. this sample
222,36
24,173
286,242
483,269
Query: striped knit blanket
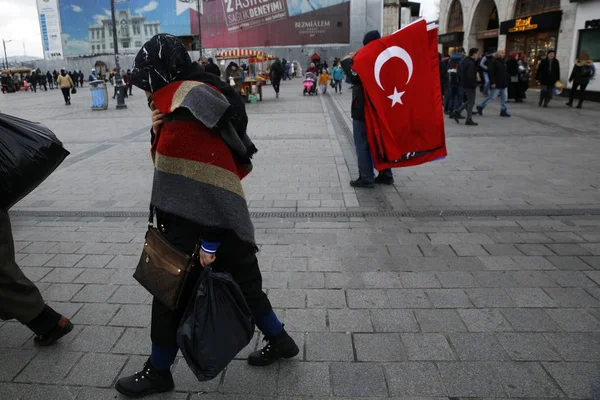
196,175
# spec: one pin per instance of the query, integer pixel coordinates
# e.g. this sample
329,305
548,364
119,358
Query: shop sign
451,39
539,22
492,33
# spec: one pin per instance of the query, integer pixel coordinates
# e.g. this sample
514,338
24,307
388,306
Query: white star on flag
396,97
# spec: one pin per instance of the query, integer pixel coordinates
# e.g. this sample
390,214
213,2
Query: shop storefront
533,36
451,41
490,40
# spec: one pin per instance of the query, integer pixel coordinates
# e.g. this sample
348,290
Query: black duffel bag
29,153
216,326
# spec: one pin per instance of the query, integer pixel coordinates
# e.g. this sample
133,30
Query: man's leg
549,95
363,152
486,83
503,101
581,95
492,96
470,103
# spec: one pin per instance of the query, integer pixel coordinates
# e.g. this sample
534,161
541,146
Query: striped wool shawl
196,175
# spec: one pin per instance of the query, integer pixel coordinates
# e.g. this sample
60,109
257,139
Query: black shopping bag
216,326
29,153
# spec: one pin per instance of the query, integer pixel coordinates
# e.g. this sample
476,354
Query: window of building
103,34
530,7
93,48
138,44
124,28
103,47
126,45
111,45
146,30
92,32
455,17
589,40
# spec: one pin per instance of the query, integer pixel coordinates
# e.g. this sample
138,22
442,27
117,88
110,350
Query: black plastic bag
216,326
29,153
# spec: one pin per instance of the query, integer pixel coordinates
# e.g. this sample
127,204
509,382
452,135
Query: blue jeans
363,152
338,85
493,94
486,83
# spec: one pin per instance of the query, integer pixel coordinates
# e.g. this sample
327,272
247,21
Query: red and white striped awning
239,53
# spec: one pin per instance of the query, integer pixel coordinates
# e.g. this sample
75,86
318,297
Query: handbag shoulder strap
195,254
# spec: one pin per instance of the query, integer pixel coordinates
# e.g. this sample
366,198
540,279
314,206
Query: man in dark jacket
277,72
366,176
50,80
467,72
454,98
499,81
548,73
212,68
33,81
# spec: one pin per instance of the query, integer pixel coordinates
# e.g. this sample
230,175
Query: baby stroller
310,84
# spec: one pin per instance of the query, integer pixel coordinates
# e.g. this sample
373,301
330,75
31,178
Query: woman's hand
206,258
157,118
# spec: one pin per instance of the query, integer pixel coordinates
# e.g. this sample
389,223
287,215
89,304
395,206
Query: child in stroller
310,84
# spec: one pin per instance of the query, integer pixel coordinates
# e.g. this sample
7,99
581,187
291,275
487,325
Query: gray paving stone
290,264
35,273
326,298
576,346
565,237
304,379
565,249
350,321
571,279
94,261
13,335
242,378
329,346
381,280
572,297
48,367
125,277
414,379
593,261
530,297
323,264
499,263
12,362
443,250
37,248
96,370
123,262
134,341
574,320
464,264
133,315
46,392
129,294
469,250
95,275
440,321
532,249
307,320
530,263
62,275
471,379
408,298
495,279
94,248
95,314
11,391
484,320
61,291
594,275
288,298
67,309
490,298
65,248
530,279
527,347
457,279
394,321
64,260
378,347
567,263
186,380
97,339
358,380
502,250
419,280
367,298
308,280
477,347
527,380
427,347
448,298
94,293
530,320
577,380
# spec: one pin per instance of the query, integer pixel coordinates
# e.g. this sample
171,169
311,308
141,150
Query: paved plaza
477,276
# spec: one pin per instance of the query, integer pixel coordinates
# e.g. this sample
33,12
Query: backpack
453,72
587,71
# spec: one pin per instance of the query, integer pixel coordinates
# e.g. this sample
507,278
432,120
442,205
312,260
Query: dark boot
62,328
569,104
479,110
384,179
504,114
360,183
146,382
580,104
470,122
278,347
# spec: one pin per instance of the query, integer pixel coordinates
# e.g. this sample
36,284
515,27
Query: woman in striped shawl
200,152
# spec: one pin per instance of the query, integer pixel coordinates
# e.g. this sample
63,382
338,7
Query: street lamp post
118,78
5,56
199,28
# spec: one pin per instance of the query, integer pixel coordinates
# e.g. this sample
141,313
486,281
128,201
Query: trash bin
99,95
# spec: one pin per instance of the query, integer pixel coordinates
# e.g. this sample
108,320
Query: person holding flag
366,178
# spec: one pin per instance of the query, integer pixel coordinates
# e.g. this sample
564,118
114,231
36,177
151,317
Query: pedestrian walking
43,82
515,88
583,71
483,64
286,71
548,73
366,177
33,81
468,82
4,83
75,77
324,79
50,80
213,210
276,75
55,74
212,68
16,80
499,80
65,83
81,78
128,83
454,99
233,74
93,76
20,299
338,76
443,77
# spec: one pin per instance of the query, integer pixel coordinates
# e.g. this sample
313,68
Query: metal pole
199,28
5,57
118,78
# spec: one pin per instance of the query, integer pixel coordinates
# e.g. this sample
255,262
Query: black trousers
582,87
235,257
66,94
276,82
468,104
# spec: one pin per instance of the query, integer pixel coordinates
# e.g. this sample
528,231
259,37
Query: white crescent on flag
183,5
388,54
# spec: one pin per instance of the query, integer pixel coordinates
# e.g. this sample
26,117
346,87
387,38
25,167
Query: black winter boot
146,382
280,346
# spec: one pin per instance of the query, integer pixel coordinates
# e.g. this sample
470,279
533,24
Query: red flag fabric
403,108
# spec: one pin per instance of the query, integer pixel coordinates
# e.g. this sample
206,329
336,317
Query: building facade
531,27
587,37
132,32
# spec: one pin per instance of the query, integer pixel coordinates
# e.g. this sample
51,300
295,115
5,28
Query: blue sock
270,325
163,357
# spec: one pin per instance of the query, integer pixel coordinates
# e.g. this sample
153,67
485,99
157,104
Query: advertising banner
50,28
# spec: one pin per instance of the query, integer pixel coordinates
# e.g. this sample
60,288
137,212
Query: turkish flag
403,107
